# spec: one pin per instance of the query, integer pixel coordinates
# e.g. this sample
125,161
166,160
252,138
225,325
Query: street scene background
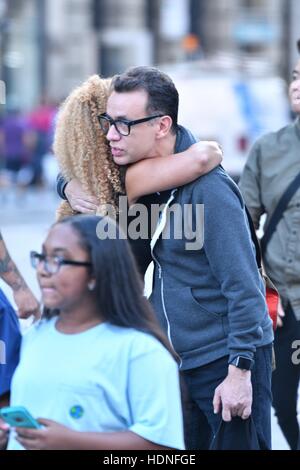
230,59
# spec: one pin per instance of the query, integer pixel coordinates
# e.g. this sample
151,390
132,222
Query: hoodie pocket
192,326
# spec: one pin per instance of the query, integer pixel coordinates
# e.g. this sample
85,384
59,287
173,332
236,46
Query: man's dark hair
162,93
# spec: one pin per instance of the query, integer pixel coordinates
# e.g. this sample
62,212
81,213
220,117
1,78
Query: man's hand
209,154
80,200
234,394
26,302
53,436
4,429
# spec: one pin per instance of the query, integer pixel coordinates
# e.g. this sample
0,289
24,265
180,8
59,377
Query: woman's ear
165,125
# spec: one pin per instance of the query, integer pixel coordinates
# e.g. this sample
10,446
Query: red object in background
272,299
243,144
41,118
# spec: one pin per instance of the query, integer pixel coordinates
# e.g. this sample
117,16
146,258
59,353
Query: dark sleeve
61,183
250,184
10,336
231,256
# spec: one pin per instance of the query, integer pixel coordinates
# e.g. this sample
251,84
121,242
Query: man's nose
113,134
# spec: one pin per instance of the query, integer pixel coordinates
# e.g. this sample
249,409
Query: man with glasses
86,179
269,174
123,126
210,300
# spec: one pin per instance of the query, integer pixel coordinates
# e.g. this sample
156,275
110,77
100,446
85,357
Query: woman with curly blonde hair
82,149
88,173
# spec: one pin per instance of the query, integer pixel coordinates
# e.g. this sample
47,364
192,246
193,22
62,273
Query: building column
71,45
123,35
20,54
294,33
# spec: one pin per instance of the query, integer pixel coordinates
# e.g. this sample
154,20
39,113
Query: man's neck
165,146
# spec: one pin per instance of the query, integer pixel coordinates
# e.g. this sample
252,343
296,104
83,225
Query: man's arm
24,298
231,257
72,191
227,245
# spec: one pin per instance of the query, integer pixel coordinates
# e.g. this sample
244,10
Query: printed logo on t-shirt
76,411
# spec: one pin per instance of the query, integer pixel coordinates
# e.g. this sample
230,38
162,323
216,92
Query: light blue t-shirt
105,379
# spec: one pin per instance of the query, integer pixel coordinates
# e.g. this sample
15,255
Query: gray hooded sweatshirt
211,299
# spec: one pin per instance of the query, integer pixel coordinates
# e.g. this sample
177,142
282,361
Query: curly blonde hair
81,148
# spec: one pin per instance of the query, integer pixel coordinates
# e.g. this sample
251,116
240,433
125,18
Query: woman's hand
207,153
80,200
4,430
53,436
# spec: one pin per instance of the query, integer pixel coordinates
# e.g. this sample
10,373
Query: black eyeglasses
122,126
52,264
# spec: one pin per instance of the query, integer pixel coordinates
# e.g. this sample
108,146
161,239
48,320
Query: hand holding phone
18,417
4,430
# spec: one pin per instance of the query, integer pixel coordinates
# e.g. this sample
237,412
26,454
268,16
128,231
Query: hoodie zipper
156,235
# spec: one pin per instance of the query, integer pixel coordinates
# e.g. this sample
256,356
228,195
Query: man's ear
165,125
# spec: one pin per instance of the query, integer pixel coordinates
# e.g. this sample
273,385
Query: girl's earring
91,285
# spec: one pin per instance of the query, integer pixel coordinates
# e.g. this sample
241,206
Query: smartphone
18,417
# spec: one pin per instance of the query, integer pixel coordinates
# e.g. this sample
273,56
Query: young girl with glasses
97,371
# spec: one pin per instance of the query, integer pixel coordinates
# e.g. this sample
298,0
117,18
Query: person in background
27,305
273,164
15,143
26,302
97,369
40,121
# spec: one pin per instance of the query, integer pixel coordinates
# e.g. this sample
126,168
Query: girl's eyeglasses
52,264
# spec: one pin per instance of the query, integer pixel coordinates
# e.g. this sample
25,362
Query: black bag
278,212
237,434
